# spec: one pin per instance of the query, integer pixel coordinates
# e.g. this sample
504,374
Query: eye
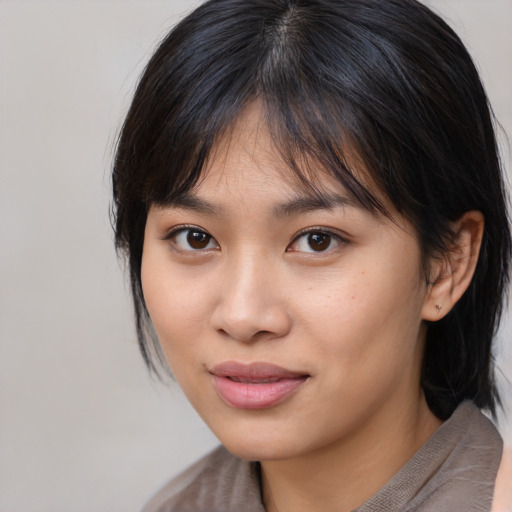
192,239
315,241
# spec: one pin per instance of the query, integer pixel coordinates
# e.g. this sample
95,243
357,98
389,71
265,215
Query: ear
451,274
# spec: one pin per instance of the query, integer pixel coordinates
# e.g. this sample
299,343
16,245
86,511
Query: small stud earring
438,308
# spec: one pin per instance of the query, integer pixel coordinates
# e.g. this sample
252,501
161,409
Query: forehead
246,144
246,160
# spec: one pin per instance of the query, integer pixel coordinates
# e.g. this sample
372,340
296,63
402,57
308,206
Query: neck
343,475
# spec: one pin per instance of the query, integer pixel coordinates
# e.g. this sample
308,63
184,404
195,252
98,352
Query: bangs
307,143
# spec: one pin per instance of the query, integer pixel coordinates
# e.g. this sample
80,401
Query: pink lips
256,385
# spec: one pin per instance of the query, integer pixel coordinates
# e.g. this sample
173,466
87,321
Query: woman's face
291,324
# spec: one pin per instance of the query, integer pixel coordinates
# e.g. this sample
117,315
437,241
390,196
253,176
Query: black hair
389,80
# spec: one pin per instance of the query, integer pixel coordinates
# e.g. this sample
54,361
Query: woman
311,203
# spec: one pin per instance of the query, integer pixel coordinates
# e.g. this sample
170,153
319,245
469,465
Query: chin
255,452
263,445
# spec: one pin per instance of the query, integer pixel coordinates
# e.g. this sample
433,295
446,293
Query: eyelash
174,233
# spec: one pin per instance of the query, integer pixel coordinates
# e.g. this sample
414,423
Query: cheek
369,314
177,306
367,341
178,311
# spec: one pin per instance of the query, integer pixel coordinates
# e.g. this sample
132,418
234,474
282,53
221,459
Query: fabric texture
455,470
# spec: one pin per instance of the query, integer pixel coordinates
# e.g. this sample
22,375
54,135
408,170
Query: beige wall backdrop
82,426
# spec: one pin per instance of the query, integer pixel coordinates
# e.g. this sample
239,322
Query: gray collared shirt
454,471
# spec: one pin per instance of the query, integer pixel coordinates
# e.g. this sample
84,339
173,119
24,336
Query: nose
251,303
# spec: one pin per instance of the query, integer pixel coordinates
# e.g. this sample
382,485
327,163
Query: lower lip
242,395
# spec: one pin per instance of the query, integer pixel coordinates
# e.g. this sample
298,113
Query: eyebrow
306,203
188,201
301,203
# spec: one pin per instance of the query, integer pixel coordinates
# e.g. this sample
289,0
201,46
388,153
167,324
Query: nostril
262,334
246,336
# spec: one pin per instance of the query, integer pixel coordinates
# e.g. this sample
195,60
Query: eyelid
169,233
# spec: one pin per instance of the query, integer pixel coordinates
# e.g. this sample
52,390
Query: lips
255,385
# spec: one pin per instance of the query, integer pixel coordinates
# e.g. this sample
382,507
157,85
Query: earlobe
451,274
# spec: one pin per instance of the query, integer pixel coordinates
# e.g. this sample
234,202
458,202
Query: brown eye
319,241
198,239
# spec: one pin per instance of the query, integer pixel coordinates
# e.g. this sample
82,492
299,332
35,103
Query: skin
503,491
350,316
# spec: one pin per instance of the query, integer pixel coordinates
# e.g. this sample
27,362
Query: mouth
252,381
256,385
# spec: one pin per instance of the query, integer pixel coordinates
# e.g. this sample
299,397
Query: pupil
197,239
319,241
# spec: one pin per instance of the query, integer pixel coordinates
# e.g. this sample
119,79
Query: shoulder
454,470
217,482
503,490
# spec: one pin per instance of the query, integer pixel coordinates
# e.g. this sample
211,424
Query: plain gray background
82,426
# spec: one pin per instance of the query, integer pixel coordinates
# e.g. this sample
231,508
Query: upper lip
254,371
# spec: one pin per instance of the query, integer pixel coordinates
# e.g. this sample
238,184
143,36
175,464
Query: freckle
353,297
